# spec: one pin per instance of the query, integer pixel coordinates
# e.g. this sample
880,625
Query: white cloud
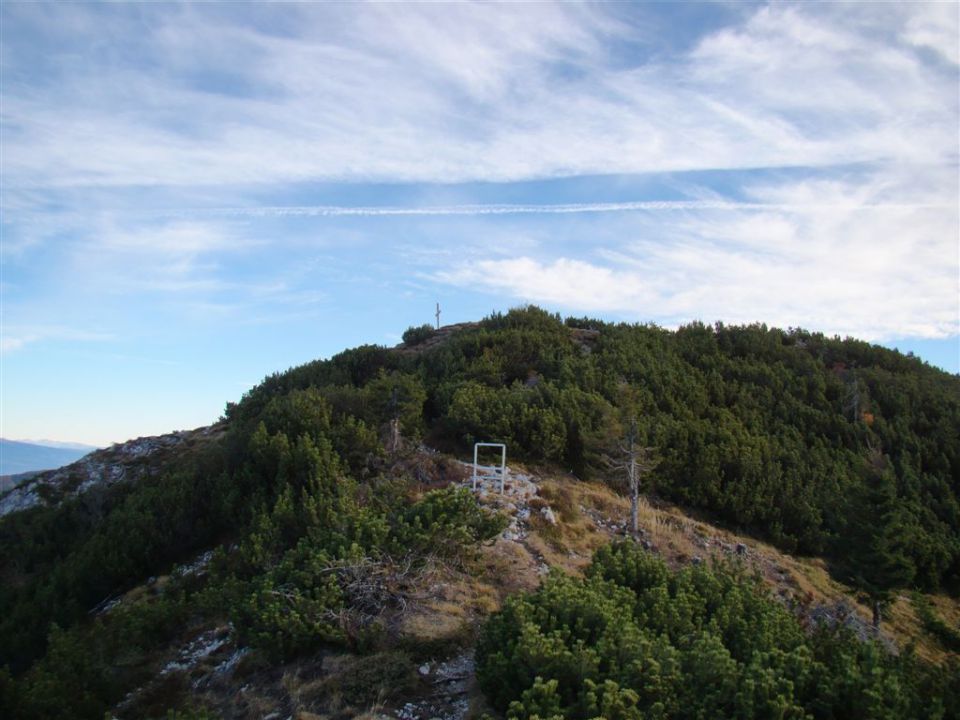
178,256
567,282
468,92
179,239
9,344
210,101
16,337
934,25
876,270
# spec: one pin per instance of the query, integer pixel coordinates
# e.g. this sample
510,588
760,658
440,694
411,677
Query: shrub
636,640
416,335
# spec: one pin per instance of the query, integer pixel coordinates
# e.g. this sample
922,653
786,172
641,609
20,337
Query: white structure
490,471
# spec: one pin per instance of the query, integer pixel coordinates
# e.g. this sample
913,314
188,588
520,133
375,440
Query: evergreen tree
880,537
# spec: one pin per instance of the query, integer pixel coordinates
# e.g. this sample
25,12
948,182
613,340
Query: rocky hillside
101,469
310,554
432,614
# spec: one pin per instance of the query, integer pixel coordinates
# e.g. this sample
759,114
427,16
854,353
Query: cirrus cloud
866,269
469,92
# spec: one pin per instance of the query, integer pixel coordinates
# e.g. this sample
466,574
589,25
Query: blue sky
194,196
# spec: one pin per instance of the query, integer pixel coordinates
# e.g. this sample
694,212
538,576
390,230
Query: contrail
498,209
565,209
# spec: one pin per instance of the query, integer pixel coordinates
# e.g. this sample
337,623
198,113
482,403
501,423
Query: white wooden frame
492,471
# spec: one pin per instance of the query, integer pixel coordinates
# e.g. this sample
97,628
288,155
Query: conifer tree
881,561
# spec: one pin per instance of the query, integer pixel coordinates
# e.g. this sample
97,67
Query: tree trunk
394,440
876,615
635,511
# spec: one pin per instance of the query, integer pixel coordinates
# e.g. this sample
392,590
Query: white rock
20,498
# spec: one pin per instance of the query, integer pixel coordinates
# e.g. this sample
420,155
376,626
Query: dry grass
678,537
560,497
601,498
453,600
449,603
667,529
813,580
349,685
947,607
509,567
253,705
430,626
901,622
304,715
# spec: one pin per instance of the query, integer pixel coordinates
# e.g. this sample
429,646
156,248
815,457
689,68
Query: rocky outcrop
438,338
101,469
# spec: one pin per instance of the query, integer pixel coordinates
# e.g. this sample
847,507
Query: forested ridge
823,446
787,433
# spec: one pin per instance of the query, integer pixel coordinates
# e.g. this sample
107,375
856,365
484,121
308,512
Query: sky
194,196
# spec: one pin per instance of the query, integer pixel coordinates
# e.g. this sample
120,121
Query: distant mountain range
59,444
20,457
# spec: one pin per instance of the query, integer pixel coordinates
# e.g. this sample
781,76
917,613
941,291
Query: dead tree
636,461
394,442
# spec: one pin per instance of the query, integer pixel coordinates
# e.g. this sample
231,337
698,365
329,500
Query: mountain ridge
320,525
18,456
57,444
98,470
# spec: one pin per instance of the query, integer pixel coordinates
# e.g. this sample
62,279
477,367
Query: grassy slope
440,622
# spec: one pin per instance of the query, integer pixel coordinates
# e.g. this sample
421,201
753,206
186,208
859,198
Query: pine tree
881,560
